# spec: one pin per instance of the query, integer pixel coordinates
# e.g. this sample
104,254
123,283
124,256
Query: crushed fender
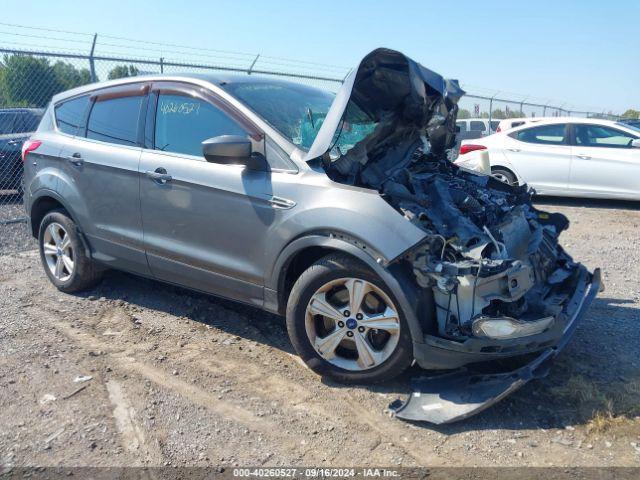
458,395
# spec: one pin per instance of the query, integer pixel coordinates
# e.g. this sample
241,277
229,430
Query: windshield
296,111
634,125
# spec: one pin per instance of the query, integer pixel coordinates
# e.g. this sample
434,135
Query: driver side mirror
635,143
233,150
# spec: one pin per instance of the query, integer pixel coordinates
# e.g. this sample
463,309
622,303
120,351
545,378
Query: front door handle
584,157
159,176
76,159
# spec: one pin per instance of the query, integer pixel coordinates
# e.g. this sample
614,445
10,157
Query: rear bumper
435,353
455,396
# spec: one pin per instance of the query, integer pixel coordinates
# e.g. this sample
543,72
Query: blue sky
584,53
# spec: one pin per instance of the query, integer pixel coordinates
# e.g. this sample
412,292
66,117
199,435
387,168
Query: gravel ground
14,234
139,373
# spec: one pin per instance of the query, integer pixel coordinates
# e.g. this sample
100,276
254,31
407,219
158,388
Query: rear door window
183,123
546,135
115,120
70,114
601,136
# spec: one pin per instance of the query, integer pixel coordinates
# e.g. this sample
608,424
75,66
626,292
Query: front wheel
345,324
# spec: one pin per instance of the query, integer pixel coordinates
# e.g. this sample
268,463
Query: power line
149,42
45,29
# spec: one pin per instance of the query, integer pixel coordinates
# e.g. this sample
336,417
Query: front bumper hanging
458,395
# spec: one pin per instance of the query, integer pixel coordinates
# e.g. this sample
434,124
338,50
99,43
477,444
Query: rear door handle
76,159
159,176
584,157
513,149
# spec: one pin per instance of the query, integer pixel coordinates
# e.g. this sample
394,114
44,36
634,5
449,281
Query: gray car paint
214,227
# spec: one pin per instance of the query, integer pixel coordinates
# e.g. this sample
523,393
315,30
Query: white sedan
573,157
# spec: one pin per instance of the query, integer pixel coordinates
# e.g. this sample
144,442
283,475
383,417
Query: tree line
28,81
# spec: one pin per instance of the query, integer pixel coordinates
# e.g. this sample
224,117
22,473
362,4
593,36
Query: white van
477,125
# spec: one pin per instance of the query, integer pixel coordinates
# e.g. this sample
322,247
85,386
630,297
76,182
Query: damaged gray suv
341,212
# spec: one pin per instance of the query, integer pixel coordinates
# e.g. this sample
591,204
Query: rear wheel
345,324
63,255
504,175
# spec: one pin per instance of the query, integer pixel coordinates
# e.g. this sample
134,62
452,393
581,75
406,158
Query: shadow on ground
595,379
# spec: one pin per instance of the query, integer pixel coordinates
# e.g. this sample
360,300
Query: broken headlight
506,327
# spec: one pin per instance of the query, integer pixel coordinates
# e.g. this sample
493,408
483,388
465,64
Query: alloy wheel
352,324
58,252
501,177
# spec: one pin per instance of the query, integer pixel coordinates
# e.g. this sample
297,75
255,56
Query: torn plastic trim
459,395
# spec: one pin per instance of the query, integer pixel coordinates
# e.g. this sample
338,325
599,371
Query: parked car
327,209
480,125
16,125
574,157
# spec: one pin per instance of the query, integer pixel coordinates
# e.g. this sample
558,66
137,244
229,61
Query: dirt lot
179,378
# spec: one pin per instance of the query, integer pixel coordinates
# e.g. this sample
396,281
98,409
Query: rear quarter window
70,114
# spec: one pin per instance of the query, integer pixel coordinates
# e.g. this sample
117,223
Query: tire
82,273
395,354
504,175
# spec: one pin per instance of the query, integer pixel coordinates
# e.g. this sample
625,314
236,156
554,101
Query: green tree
69,76
28,81
631,113
122,71
498,114
464,113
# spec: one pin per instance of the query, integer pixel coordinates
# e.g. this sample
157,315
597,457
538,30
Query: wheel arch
46,202
303,252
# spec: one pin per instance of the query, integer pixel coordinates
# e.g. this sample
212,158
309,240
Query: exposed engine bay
491,259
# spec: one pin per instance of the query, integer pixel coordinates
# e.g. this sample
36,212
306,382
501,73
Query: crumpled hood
388,82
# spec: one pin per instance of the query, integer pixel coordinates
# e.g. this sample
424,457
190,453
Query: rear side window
7,121
26,122
183,123
476,126
516,124
462,125
115,120
600,136
547,134
70,114
494,124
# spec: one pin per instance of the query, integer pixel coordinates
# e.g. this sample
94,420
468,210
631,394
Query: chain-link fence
29,78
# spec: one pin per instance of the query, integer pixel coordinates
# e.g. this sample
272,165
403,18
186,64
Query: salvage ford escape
339,211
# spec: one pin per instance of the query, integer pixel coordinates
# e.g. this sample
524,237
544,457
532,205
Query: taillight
470,147
29,146
498,129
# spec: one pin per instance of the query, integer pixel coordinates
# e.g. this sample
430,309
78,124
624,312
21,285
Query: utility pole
92,65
